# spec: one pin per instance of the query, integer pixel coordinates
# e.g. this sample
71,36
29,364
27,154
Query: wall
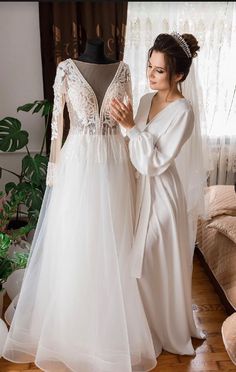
20,74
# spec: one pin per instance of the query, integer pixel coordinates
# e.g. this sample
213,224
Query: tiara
180,40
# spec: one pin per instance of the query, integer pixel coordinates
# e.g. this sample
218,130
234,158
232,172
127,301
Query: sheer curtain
214,25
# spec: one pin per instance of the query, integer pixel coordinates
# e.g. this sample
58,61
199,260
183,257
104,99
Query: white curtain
214,25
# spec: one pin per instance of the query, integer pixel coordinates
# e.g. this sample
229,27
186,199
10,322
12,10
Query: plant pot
16,224
10,311
14,282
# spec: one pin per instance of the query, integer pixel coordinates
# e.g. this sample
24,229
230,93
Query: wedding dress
79,309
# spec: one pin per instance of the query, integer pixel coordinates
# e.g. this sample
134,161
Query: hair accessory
180,40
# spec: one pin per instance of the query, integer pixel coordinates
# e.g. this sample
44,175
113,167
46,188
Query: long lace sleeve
128,87
128,97
151,157
57,123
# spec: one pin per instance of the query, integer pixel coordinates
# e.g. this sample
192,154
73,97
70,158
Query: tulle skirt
79,309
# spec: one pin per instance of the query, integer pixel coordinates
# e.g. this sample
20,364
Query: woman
162,258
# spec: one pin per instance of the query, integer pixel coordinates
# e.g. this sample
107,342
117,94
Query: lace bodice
72,88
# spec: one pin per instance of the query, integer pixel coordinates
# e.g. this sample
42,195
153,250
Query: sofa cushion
225,225
220,200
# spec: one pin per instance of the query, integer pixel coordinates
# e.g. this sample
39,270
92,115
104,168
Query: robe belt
143,207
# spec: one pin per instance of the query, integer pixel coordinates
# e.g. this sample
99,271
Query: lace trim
118,89
104,130
51,169
81,99
59,92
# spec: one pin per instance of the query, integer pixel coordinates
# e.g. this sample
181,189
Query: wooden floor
210,353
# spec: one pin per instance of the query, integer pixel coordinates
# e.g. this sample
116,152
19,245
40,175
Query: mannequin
94,52
96,67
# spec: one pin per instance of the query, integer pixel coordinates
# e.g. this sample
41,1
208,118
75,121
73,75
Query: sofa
216,248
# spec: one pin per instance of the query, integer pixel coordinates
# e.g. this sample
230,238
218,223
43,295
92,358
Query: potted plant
21,200
10,262
30,181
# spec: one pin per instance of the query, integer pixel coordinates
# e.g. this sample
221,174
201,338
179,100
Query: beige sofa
216,247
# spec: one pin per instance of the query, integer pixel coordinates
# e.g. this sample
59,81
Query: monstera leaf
9,187
12,138
35,169
34,198
28,194
45,105
33,215
33,195
30,185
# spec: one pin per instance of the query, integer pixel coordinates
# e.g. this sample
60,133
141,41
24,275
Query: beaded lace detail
51,173
81,99
58,106
72,88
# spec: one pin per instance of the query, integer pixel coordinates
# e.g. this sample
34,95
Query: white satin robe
162,256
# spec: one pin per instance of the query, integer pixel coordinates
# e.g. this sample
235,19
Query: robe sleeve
57,123
151,156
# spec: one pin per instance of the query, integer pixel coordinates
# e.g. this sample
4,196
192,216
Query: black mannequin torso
94,53
97,69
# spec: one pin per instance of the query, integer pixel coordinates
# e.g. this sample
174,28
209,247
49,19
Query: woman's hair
176,58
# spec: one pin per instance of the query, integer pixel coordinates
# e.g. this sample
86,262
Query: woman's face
157,72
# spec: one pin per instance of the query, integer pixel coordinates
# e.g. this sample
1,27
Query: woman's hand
122,113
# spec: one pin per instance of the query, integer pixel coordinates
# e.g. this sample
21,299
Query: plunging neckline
155,116
90,87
